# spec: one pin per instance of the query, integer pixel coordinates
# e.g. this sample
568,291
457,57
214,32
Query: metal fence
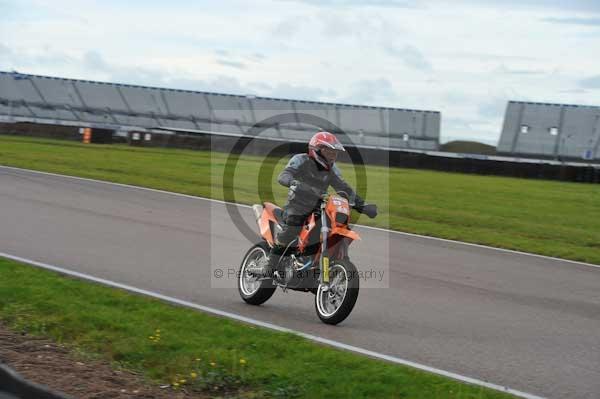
434,160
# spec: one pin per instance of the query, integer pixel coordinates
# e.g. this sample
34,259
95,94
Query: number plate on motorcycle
326,269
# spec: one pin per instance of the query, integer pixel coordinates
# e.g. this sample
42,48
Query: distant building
556,131
123,108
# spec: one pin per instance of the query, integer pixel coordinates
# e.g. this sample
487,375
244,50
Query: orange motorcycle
316,261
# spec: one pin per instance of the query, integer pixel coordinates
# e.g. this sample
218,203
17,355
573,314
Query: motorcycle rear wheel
253,290
335,304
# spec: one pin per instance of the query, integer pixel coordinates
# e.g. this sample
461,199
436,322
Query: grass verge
171,344
544,217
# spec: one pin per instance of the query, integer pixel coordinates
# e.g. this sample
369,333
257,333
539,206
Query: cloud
493,108
95,67
459,123
357,28
411,56
5,51
224,57
7,10
580,5
573,91
592,82
457,97
333,25
288,27
93,60
371,91
231,63
258,56
509,71
7,58
574,21
361,3
12,58
487,56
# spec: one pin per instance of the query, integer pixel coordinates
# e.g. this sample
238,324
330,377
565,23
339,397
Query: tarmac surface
526,322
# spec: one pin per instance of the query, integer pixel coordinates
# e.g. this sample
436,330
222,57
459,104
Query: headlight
341,218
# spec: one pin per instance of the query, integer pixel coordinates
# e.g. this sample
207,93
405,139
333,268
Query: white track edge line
512,251
329,342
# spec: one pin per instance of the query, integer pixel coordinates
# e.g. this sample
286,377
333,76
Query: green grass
545,217
116,326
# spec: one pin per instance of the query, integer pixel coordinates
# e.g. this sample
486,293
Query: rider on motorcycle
308,176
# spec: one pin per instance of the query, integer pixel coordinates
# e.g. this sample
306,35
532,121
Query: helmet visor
329,154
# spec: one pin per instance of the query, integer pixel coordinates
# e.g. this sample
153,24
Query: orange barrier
87,135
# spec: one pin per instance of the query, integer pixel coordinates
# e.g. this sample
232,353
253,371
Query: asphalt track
529,323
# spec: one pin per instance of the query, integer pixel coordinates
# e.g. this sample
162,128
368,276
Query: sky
464,58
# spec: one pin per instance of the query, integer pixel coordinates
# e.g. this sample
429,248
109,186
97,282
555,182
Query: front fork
324,257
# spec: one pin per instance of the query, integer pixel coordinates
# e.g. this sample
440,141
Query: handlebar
307,190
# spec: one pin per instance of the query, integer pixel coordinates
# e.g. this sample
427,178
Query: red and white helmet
324,140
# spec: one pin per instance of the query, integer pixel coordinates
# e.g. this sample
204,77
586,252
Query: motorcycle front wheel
334,302
253,289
